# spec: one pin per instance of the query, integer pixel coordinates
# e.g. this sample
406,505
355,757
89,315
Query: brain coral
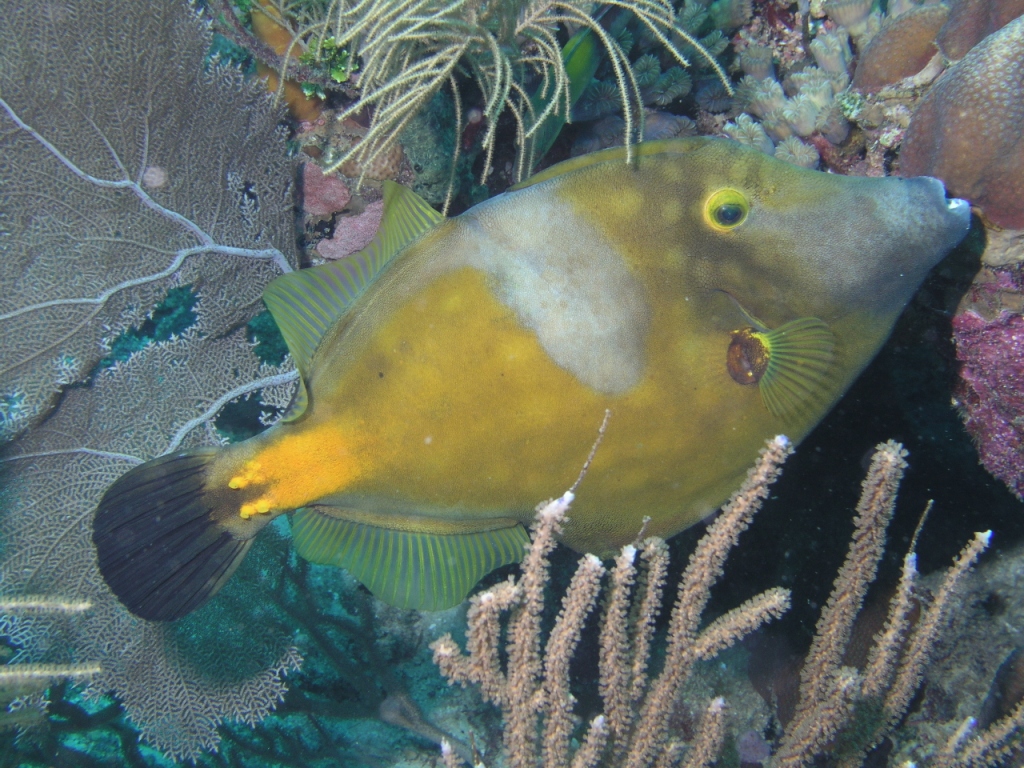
901,48
971,21
967,129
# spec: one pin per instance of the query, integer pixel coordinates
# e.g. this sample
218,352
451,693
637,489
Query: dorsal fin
616,154
305,304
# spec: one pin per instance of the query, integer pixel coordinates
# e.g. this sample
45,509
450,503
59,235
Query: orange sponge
272,29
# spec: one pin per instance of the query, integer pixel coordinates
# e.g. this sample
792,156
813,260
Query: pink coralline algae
352,233
971,21
991,390
967,129
322,195
902,48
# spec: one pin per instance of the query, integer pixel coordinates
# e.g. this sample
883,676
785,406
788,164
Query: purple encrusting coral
991,391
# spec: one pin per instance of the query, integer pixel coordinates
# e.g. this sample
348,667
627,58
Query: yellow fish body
456,371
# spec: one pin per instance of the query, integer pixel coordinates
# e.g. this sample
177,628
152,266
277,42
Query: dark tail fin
162,549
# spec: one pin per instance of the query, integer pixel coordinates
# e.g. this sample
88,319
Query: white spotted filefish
454,372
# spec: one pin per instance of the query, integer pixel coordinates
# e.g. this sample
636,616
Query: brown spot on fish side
747,357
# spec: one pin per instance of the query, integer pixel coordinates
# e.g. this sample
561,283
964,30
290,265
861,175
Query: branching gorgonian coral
128,172
407,50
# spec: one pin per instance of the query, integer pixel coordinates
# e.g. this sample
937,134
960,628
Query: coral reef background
367,693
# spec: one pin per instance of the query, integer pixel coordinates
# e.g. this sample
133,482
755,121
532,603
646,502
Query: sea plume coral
533,689
411,50
843,711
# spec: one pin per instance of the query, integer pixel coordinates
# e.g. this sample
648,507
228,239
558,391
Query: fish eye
729,215
726,209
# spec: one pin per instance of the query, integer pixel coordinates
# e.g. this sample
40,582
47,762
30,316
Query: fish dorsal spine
307,303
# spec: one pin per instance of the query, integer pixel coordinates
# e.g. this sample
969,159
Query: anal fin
405,567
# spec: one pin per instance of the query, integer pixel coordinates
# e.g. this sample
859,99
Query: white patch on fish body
565,282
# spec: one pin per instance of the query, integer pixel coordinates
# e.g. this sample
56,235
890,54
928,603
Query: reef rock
967,129
902,48
322,194
971,21
352,233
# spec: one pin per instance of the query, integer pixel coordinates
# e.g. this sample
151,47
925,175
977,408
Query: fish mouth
925,207
958,206
918,224
955,205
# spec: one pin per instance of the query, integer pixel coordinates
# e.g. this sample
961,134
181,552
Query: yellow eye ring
726,209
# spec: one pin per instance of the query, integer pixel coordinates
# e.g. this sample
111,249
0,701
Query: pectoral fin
409,568
791,365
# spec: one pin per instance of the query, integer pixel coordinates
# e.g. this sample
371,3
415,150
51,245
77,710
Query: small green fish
455,372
